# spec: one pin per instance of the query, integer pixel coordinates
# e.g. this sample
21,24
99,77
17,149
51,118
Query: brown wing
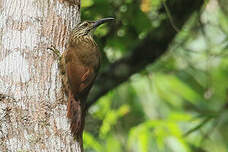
81,74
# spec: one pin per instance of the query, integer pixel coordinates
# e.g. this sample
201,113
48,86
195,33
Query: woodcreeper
79,65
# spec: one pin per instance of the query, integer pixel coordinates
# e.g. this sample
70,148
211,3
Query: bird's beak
101,21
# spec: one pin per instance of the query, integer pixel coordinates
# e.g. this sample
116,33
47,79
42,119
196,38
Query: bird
79,65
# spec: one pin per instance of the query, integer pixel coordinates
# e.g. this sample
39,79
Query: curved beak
101,21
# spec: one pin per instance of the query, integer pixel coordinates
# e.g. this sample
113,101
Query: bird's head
85,27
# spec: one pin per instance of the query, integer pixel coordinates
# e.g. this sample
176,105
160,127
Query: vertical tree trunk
32,104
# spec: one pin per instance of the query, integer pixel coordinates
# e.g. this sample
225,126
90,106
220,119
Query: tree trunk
32,103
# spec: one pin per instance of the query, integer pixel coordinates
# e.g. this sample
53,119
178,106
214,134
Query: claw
56,51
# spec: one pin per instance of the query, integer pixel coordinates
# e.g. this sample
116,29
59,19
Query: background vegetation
176,104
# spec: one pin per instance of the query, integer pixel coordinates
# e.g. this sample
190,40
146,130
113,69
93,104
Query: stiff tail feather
76,115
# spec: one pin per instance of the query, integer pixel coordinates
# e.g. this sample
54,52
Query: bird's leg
56,51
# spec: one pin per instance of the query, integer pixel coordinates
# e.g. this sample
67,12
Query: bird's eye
85,24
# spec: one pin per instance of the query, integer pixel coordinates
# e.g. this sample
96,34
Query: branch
147,52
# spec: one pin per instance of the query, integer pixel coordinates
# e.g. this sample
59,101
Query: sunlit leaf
86,3
91,142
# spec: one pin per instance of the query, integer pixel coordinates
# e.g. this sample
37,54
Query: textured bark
32,104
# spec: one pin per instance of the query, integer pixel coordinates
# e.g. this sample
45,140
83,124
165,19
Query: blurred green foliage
179,103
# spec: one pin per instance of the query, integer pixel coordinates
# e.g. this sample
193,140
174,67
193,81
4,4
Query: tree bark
32,103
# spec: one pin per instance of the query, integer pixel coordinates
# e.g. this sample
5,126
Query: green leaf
91,142
86,3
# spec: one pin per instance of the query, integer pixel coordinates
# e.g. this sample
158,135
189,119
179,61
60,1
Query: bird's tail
76,115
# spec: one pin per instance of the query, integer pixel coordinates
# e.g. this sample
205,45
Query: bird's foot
56,51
